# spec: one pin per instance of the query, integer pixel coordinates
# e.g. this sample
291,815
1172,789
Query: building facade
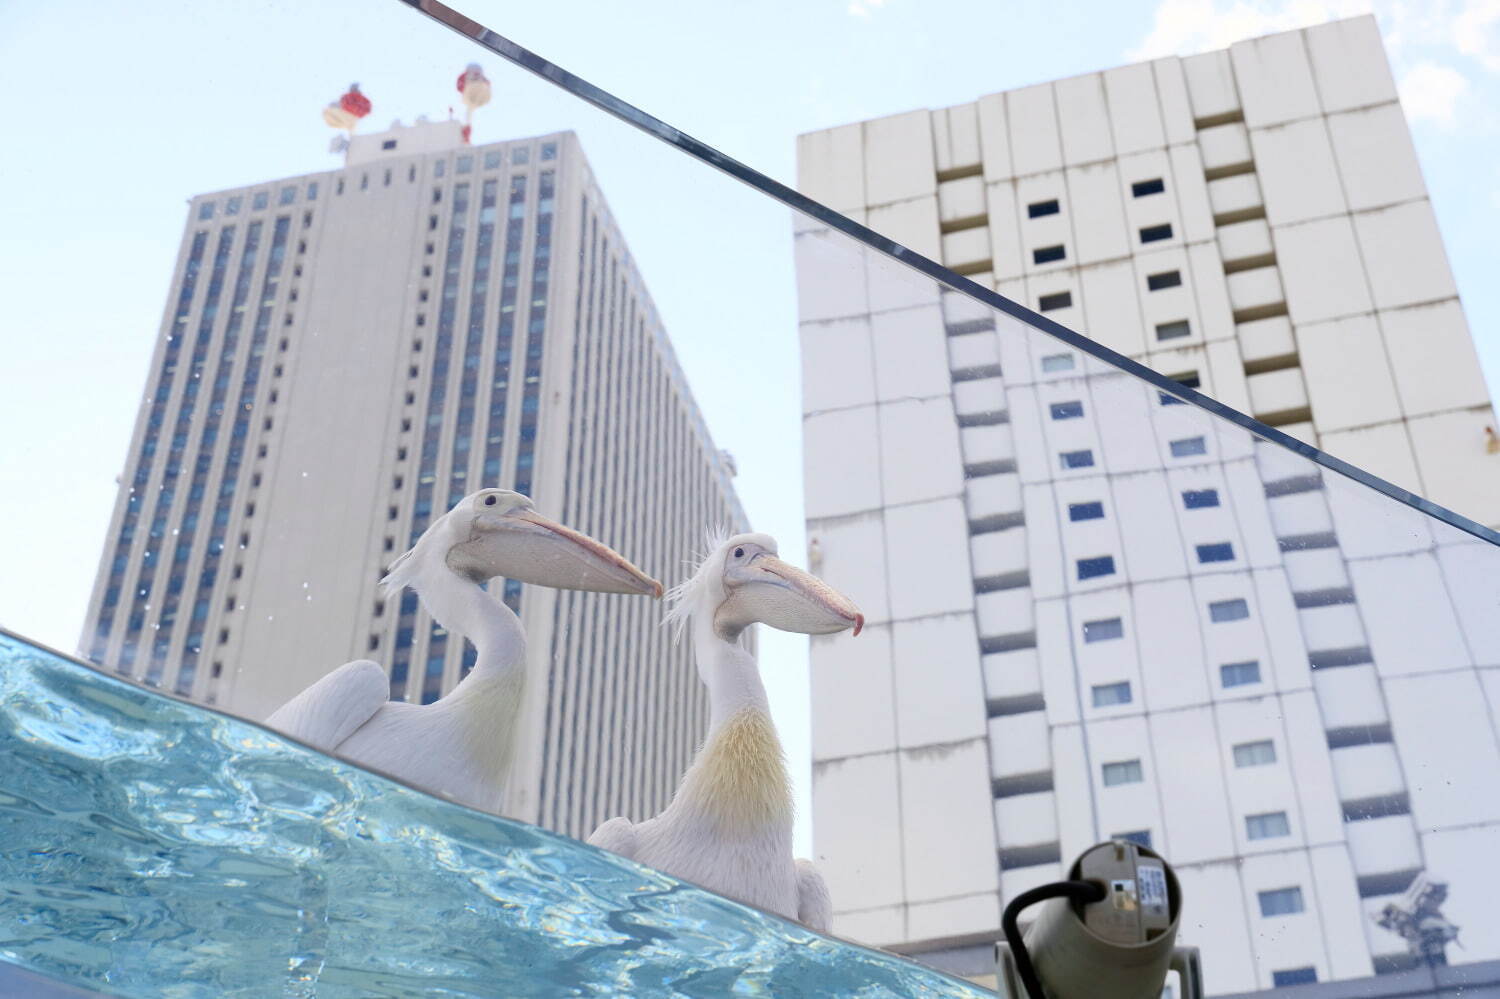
1093,612
344,356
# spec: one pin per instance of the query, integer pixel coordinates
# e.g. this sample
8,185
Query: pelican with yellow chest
729,827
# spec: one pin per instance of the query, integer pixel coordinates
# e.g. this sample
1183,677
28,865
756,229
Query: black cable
1080,891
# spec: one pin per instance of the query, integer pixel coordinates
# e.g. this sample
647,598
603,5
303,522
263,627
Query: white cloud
1473,33
1430,91
1184,27
863,8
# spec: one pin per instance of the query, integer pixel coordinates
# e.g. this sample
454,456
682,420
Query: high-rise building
1092,613
346,354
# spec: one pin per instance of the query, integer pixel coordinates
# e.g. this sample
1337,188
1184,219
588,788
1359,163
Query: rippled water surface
152,848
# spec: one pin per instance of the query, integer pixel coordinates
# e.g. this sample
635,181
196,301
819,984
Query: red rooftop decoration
475,90
347,110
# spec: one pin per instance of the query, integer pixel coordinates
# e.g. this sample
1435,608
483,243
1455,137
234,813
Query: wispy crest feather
412,564
682,598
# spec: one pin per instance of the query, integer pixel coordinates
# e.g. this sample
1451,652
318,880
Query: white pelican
461,745
729,827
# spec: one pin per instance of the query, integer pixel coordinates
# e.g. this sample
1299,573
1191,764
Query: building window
1294,976
1059,300
1219,551
1110,694
1038,209
1175,330
439,168
1077,459
206,211
232,206
1228,610
1103,631
1239,674
1047,254
1124,772
1085,511
1198,499
465,164
549,151
1066,410
388,144
1255,754
1057,362
1140,837
1189,380
1092,568
1156,233
288,195
259,200
1141,188
520,155
1188,446
312,190
1280,902
1166,279
492,159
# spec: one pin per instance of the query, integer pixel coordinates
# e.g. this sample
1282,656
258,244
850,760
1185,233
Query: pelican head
742,581
496,532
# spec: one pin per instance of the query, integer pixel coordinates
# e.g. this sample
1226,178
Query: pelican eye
489,501
739,553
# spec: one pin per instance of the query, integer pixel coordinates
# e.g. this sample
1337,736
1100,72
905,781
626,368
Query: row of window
1138,189
1192,499
259,200
287,194
1187,447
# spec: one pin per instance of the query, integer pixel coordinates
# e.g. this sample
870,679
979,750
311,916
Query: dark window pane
1228,610
1047,254
1141,188
1239,674
1188,446
1066,410
1156,233
1085,511
1197,499
1100,565
1174,330
1059,300
1166,279
1103,631
1040,208
1221,551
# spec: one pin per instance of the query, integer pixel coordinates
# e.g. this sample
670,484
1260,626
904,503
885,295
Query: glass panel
651,347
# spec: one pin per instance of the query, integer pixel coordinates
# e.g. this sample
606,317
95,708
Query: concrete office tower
1093,614
346,354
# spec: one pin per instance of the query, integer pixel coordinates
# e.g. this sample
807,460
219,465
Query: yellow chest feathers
739,778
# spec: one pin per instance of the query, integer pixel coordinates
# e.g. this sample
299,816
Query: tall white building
1093,613
346,354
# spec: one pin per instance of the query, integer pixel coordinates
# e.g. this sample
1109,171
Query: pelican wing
814,907
330,711
617,836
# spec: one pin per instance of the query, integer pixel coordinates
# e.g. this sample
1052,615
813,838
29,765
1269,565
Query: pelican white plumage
460,745
729,827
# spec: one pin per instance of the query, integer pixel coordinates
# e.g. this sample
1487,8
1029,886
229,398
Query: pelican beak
525,546
786,598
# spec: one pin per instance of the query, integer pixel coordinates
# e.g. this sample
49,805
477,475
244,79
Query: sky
116,114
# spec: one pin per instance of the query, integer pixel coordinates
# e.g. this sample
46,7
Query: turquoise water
152,848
